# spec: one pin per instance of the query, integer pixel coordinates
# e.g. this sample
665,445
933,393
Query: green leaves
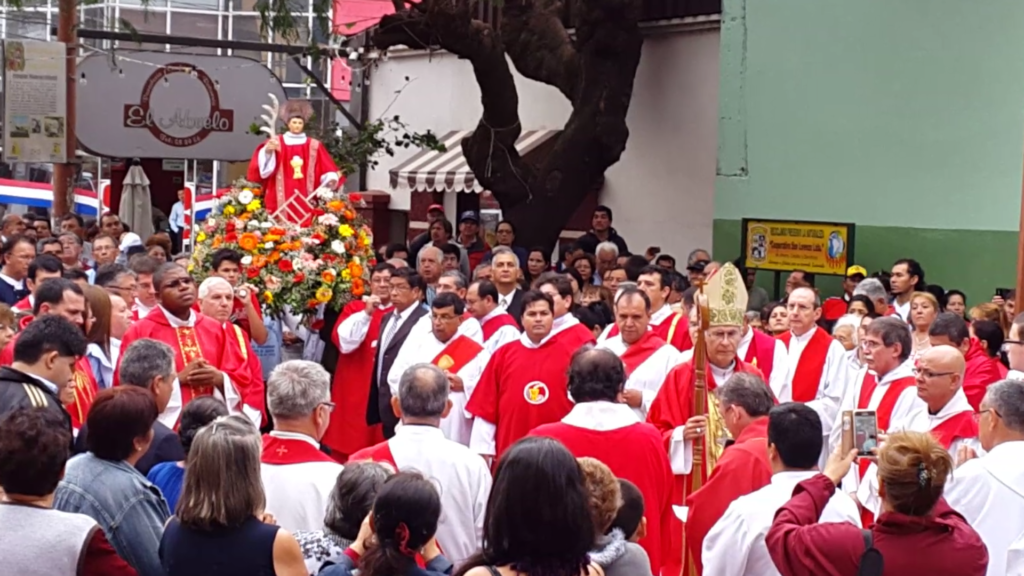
354,150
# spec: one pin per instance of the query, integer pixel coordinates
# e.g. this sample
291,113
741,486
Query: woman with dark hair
586,265
577,281
775,318
159,247
990,336
591,318
862,306
403,524
551,536
956,302
220,528
350,502
537,263
104,484
168,476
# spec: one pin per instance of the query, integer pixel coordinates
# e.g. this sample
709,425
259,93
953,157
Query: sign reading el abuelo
782,245
163,105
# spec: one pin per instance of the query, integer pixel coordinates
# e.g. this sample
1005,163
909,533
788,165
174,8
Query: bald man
947,414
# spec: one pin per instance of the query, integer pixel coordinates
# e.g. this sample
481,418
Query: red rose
285,265
318,237
231,237
355,197
298,278
329,258
316,325
230,227
252,272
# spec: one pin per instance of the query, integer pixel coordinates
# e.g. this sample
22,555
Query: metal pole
64,174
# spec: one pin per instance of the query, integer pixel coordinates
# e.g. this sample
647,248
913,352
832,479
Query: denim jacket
129,508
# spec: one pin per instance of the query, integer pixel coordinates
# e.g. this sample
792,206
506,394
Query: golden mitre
726,295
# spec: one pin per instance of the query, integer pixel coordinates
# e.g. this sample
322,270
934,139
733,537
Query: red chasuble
761,353
350,388
638,352
253,395
523,388
575,337
672,408
956,427
674,330
297,173
459,352
378,453
980,373
206,339
742,469
810,365
85,387
633,453
280,451
496,323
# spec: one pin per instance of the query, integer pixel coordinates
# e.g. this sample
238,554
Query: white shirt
463,481
421,346
831,387
650,374
1015,375
298,494
142,309
780,360
177,217
16,284
735,545
505,299
902,310
501,336
989,492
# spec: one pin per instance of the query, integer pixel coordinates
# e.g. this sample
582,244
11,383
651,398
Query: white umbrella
136,209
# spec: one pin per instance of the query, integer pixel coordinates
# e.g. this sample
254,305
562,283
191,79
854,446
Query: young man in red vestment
671,326
647,357
672,412
499,327
43,267
355,335
524,384
245,308
981,371
565,327
601,426
744,401
64,298
208,363
291,166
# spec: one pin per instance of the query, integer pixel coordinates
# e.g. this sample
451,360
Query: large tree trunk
594,71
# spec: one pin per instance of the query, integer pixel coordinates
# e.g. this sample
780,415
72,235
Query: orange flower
355,270
328,276
259,261
217,241
335,205
357,287
277,231
245,217
274,256
349,215
248,242
257,192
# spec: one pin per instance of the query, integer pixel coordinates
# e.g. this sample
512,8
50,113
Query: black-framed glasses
1007,343
977,415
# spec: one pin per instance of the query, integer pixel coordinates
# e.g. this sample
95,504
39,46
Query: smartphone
860,431
1003,293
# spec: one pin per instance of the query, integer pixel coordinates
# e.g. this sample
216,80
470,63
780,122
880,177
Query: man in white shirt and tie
505,275
735,546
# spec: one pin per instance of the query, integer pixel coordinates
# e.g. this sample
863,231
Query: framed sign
785,245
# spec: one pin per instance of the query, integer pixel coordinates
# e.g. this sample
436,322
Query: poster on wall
786,245
35,101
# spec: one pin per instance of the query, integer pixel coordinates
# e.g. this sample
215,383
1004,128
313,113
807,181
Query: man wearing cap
469,238
434,212
695,271
833,308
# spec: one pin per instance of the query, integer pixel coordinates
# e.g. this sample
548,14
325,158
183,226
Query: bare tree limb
539,45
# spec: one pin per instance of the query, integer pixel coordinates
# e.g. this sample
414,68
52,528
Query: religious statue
291,167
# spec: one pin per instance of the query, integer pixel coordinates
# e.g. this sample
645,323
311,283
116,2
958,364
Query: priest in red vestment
569,331
525,383
673,411
981,371
744,401
669,325
208,361
602,426
356,336
65,298
291,166
498,326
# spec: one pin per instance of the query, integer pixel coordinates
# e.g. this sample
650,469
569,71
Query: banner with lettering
35,101
785,245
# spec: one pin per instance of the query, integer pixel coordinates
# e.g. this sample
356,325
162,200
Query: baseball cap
437,207
469,215
698,266
854,270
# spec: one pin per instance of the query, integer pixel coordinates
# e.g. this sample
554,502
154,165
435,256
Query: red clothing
289,185
742,469
496,323
811,364
980,372
633,453
674,330
348,432
24,304
254,394
523,388
575,337
941,543
102,560
761,353
240,318
672,408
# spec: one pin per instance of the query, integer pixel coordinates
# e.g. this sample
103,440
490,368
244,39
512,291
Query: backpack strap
493,571
871,563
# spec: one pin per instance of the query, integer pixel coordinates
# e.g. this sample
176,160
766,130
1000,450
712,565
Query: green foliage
353,150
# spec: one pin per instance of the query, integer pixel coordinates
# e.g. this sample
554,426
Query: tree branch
539,45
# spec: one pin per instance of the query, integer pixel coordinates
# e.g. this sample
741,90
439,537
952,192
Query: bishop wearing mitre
291,166
673,411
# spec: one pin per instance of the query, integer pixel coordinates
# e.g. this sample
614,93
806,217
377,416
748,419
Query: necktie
504,302
390,332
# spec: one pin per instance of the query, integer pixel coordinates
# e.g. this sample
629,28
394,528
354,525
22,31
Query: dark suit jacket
378,409
515,307
166,447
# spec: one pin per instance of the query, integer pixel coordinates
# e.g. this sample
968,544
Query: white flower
329,220
269,245
266,225
338,246
357,260
245,196
246,260
253,224
325,193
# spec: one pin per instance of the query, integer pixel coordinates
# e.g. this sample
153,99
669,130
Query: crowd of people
485,411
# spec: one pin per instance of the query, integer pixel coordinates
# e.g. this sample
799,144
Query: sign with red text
159,105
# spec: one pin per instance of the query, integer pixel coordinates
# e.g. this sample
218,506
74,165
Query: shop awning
433,171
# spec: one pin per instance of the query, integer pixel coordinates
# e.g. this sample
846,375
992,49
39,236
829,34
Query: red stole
638,352
883,414
495,323
674,330
281,451
378,453
456,354
810,366
23,304
962,425
761,352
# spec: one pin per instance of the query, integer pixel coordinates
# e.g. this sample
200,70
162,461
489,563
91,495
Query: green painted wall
904,117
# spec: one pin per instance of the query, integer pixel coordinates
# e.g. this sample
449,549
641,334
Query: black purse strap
871,563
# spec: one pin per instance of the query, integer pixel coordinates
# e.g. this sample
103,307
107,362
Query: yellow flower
268,298
201,237
324,294
346,275
229,210
271,237
252,206
345,230
191,267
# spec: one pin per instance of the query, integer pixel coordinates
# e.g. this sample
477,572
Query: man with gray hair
988,490
462,477
454,282
428,264
297,476
505,273
607,255
875,291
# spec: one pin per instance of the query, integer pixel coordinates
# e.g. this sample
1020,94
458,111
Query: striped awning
433,171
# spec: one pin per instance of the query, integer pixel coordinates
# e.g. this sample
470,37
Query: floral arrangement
325,261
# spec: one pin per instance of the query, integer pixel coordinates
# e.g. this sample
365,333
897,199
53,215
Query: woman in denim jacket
104,484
